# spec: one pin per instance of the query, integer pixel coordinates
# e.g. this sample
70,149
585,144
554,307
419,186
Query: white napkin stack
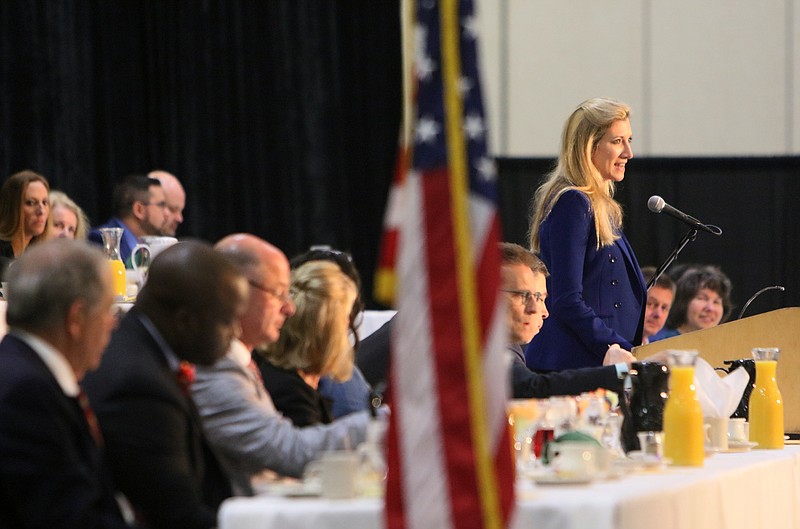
719,396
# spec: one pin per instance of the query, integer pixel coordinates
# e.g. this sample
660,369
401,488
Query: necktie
91,419
185,377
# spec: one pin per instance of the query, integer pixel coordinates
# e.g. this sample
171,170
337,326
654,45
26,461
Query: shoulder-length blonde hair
12,215
583,130
315,338
60,199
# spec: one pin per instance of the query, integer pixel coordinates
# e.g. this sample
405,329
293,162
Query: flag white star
423,64
426,130
465,84
470,26
486,169
473,127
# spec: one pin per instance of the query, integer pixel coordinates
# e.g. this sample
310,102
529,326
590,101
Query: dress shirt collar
172,359
53,359
239,353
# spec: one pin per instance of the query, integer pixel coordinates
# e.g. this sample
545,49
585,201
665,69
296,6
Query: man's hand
618,355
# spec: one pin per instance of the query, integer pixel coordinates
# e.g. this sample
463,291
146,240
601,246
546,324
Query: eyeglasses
526,295
283,296
162,204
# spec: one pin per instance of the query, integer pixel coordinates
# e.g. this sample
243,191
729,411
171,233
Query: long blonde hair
582,131
314,339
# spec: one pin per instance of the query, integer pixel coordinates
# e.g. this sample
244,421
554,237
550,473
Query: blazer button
614,282
612,258
617,305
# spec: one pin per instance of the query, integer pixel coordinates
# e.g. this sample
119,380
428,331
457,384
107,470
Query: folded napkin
719,396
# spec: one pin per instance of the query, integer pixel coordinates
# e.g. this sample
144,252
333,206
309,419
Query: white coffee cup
738,431
716,432
337,472
573,459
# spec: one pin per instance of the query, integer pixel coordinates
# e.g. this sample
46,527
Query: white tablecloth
734,490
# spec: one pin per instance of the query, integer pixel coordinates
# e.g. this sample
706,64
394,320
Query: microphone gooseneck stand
753,298
690,236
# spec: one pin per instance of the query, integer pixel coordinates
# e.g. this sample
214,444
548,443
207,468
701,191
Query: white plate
740,446
289,489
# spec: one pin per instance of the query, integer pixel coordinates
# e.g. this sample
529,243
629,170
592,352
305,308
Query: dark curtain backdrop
281,118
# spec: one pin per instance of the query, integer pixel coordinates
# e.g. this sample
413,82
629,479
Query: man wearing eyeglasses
239,416
523,280
176,201
140,208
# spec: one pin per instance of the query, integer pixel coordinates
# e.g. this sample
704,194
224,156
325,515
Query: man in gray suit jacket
238,415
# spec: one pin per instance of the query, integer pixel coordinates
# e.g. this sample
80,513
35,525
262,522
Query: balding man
176,200
238,414
52,472
187,312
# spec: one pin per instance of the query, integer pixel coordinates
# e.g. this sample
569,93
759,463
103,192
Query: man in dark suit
523,279
52,470
188,311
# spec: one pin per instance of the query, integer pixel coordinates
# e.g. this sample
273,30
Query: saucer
648,461
740,446
290,489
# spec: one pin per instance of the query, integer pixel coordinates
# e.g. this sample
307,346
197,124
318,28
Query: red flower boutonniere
185,376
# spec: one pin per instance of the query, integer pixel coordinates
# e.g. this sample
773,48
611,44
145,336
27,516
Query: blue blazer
596,297
51,472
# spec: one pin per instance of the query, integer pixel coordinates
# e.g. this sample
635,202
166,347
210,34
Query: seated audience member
140,209
659,301
313,343
52,470
702,301
351,395
24,212
239,417
176,200
67,219
187,313
523,280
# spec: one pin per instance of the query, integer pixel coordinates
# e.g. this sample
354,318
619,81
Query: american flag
449,452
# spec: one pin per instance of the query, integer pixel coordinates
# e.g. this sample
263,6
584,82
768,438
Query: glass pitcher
111,241
766,404
684,435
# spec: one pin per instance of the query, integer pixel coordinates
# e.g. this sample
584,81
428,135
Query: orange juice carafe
111,241
766,404
684,434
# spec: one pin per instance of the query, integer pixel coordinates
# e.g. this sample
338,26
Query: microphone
752,299
656,204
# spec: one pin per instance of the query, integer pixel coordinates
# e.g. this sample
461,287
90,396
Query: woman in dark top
24,212
313,342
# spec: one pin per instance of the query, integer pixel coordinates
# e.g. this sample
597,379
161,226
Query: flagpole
470,323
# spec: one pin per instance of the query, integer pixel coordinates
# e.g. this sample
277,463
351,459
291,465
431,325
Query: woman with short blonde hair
62,209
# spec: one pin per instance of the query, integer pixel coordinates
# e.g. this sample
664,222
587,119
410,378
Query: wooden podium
733,340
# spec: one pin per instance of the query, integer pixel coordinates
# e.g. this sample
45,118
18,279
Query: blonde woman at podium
597,292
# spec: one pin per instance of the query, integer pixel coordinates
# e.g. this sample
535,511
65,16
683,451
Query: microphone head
655,204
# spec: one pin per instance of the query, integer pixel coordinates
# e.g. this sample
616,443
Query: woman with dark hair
702,301
24,212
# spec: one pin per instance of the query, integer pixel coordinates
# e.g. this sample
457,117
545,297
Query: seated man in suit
140,208
187,312
52,469
523,279
238,414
